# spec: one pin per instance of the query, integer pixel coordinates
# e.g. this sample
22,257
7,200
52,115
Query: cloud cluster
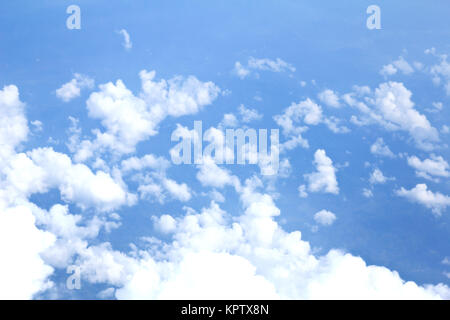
210,253
295,120
391,107
435,201
72,89
436,167
129,119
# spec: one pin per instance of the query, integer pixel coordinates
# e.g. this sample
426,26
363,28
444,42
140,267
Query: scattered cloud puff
324,179
325,217
249,115
264,64
381,149
295,119
13,123
127,44
246,115
391,107
367,193
440,72
437,202
302,191
436,167
377,177
330,98
240,70
398,65
72,89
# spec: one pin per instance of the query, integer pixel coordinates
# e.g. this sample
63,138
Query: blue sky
291,53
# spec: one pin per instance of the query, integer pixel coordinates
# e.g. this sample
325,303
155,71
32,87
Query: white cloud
127,44
229,121
23,273
324,179
330,98
209,252
38,126
129,119
302,191
437,107
178,191
437,202
249,115
367,193
435,166
240,70
165,223
72,89
394,110
440,72
403,65
212,175
399,64
381,149
446,261
13,124
309,113
388,70
325,217
244,254
264,64
145,162
377,177
276,65
42,169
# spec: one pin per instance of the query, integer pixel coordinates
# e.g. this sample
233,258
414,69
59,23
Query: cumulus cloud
325,217
152,178
324,179
42,169
437,202
377,177
399,64
440,72
210,174
381,149
72,89
330,98
250,257
393,109
295,119
436,166
229,121
130,119
388,70
209,253
248,114
23,272
240,70
13,123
